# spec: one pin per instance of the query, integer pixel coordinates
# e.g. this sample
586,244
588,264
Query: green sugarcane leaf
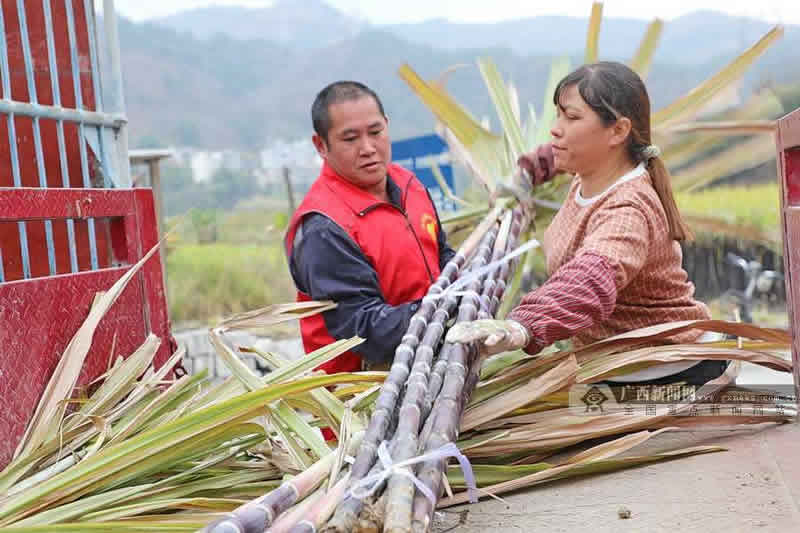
558,70
499,94
593,33
311,437
684,107
530,128
492,474
79,508
312,360
119,461
190,525
641,61
475,142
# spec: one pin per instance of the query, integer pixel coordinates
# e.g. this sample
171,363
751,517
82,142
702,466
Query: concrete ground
754,486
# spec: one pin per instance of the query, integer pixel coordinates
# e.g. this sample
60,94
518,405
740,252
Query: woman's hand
495,336
539,164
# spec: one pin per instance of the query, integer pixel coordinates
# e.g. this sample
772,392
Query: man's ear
620,131
320,145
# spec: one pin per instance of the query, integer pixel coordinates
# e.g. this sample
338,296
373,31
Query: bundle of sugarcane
414,359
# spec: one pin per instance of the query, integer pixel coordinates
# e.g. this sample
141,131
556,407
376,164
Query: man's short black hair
338,91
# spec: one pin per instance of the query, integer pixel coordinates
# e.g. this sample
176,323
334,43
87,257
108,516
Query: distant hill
304,24
692,39
255,78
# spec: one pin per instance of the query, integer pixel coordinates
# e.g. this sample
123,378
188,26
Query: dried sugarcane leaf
50,410
558,378
120,381
651,334
615,364
265,317
73,437
558,431
610,449
579,469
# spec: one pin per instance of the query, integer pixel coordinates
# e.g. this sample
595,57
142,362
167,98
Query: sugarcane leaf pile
148,451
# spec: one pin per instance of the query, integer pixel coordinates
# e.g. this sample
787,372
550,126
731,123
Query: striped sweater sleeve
579,294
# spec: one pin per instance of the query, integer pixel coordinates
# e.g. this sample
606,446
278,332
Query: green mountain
253,80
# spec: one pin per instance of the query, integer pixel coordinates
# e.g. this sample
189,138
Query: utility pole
289,191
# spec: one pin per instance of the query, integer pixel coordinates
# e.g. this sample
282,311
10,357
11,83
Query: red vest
400,244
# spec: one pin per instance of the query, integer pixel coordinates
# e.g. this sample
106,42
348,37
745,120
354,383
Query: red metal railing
69,224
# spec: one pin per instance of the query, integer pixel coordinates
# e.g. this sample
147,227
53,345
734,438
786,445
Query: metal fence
65,121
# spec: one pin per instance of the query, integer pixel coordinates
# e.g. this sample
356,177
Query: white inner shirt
628,176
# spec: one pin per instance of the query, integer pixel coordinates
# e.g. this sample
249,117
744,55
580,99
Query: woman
613,251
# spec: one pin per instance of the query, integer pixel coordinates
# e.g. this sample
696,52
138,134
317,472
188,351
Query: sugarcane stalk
383,415
287,520
400,488
461,378
493,286
436,379
494,297
46,473
447,403
257,515
376,467
347,512
322,509
437,373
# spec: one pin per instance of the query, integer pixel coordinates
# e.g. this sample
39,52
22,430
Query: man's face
358,146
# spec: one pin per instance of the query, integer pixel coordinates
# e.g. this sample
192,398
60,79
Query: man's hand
539,164
495,336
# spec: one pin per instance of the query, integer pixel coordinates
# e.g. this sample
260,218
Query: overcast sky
381,11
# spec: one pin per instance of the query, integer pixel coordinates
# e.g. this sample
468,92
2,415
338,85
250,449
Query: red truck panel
788,145
39,315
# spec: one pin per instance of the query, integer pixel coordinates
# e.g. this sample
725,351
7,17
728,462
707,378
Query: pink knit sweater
612,266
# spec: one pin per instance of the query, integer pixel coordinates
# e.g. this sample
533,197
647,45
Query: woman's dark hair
614,91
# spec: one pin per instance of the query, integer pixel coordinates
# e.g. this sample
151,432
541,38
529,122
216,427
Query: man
367,234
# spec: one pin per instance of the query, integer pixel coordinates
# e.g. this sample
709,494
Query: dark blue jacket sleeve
327,265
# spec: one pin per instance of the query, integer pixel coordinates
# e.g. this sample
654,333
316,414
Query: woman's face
581,142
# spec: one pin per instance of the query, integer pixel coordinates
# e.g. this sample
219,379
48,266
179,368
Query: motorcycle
757,282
